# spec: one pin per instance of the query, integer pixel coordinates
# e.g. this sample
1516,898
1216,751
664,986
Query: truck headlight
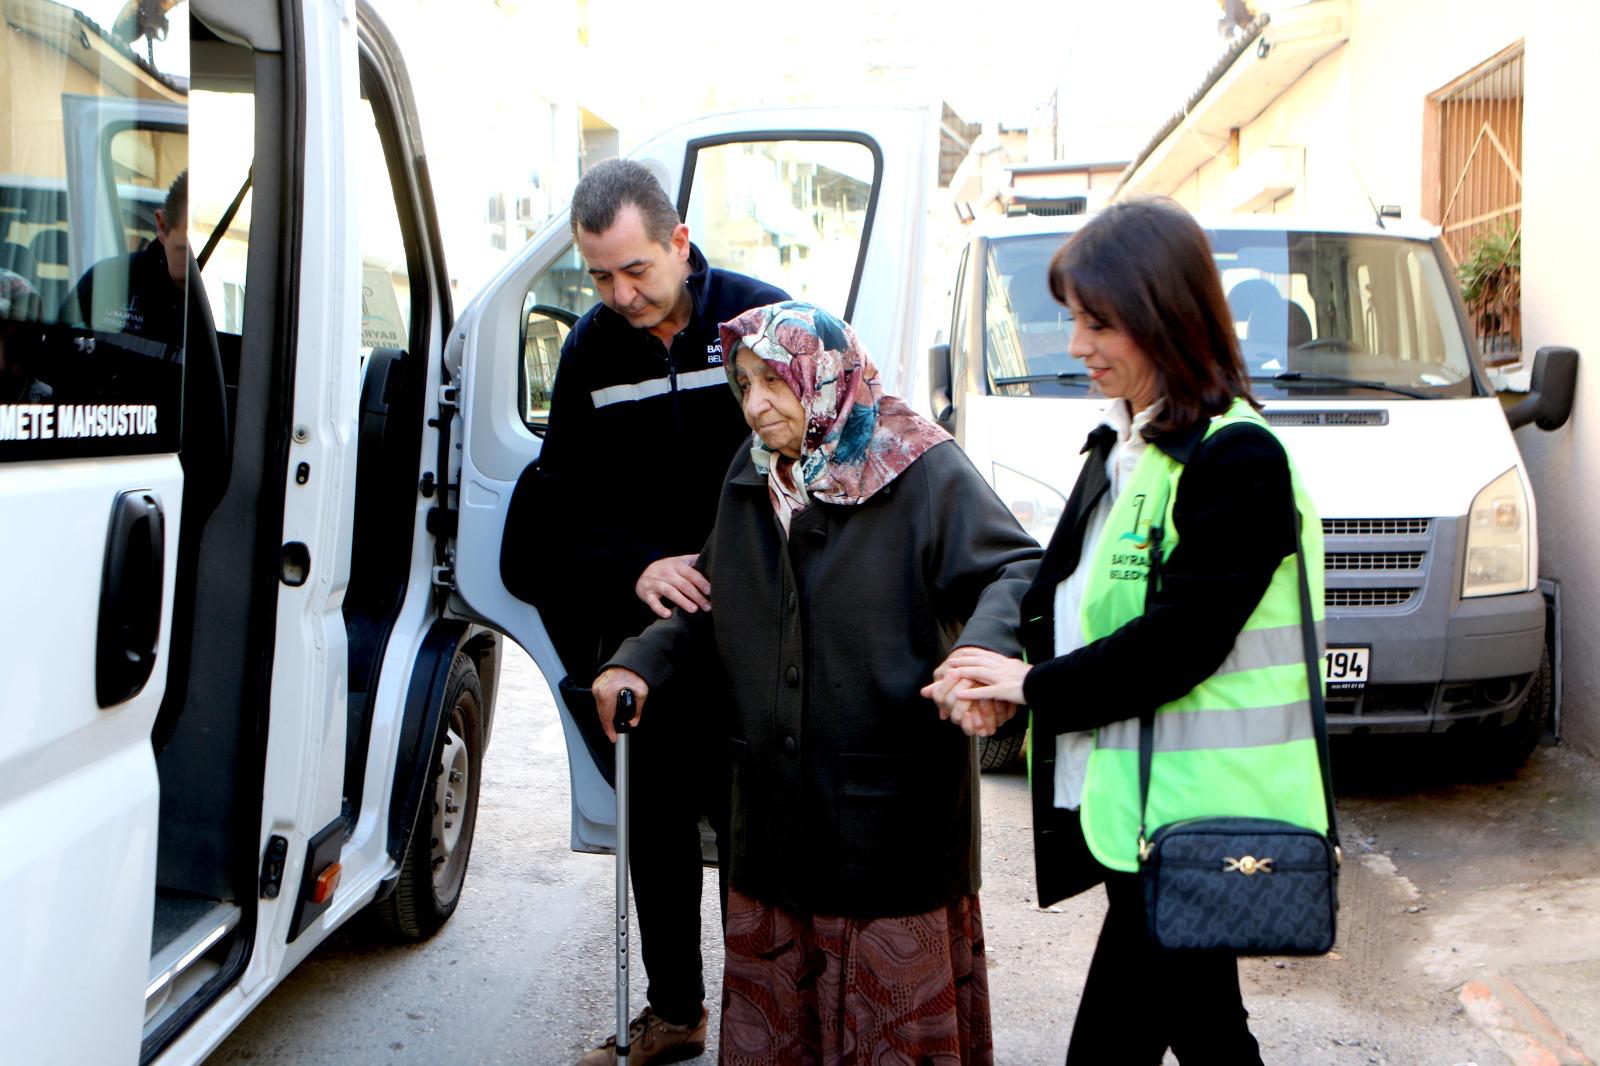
1497,538
1037,506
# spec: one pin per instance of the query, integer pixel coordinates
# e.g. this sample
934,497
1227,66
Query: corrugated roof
1245,39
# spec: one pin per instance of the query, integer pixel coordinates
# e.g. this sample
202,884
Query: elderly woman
854,547
1185,481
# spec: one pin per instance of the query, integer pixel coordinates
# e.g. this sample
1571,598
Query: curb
1524,1032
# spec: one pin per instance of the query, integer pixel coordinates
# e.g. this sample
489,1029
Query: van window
385,278
1025,332
564,290
959,361
92,306
792,213
1317,304
1321,304
222,192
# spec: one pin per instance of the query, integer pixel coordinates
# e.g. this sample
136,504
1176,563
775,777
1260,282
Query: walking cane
622,725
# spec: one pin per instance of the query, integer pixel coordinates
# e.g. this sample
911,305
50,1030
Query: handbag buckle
1144,849
1248,865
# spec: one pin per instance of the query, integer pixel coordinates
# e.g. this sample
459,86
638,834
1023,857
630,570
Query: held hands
605,689
959,701
994,676
674,578
977,689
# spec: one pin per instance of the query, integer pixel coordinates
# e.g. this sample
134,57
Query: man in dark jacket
141,295
642,427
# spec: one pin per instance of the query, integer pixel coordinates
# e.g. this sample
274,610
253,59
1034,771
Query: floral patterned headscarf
857,438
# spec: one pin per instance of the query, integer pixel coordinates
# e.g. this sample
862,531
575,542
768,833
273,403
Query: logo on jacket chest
714,353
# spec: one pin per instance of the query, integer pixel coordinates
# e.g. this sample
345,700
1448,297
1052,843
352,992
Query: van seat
49,249
1274,329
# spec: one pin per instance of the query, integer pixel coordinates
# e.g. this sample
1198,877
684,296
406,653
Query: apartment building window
1473,179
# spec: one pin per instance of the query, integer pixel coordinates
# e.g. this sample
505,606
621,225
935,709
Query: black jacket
660,447
1235,517
136,298
850,795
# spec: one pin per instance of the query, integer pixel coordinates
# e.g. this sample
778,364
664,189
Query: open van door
827,205
91,490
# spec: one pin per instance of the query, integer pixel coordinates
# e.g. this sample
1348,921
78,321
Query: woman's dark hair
1144,266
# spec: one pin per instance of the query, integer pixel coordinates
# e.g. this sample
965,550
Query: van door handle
130,597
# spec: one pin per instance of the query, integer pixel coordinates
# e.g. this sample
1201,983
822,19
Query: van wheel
1504,749
435,866
1001,752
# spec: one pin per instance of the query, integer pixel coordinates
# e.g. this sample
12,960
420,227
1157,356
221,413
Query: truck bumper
1474,670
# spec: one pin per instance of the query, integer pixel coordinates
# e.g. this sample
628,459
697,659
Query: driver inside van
141,294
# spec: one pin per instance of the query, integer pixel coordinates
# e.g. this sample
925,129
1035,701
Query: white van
1359,348
247,669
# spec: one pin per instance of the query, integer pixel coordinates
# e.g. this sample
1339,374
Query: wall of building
1314,114
1561,233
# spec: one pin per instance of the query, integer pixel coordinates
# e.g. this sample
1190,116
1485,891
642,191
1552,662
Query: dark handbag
1244,886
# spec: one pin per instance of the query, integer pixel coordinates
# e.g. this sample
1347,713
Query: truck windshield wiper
1072,377
1294,377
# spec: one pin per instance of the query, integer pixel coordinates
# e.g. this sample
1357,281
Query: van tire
1001,752
434,869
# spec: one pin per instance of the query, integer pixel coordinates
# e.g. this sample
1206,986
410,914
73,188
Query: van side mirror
944,411
1550,392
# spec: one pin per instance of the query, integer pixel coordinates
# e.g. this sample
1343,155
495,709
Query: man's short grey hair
607,186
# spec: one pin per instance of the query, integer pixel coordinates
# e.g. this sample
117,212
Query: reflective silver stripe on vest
1253,727
695,379
1256,649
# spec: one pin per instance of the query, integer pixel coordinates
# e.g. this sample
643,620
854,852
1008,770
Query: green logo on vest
1140,541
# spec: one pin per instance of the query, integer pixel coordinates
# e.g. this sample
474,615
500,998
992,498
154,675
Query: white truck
254,589
1358,346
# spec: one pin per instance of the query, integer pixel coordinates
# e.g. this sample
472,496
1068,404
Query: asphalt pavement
1463,903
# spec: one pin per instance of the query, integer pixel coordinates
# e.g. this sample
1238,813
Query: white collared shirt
1072,749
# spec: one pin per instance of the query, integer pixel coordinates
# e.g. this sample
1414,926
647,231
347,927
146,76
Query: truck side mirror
944,411
1550,392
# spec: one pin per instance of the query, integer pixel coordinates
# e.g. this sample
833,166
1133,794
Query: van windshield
1316,314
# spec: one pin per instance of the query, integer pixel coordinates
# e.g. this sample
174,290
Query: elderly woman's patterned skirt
814,989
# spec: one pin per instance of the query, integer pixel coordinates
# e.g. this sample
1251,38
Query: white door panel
90,497
486,346
78,789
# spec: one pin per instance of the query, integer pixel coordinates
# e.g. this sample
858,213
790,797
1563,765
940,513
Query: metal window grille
1480,168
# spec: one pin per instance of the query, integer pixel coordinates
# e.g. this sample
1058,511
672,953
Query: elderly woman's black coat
850,795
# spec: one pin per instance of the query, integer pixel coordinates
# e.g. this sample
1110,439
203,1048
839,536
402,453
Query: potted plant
1491,286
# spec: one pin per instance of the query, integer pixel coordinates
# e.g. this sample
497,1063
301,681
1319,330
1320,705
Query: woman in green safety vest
1184,474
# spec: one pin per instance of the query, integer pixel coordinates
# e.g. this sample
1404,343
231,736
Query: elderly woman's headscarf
857,438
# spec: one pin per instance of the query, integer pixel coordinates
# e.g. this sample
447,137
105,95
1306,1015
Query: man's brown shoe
653,1039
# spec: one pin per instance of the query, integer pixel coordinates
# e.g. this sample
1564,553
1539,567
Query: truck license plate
1348,668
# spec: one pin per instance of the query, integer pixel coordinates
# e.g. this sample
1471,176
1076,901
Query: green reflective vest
1239,743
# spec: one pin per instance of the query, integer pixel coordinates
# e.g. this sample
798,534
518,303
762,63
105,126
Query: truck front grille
1338,417
1377,564
1394,597
1374,527
1345,561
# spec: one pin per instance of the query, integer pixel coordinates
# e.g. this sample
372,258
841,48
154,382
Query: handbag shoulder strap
1319,712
